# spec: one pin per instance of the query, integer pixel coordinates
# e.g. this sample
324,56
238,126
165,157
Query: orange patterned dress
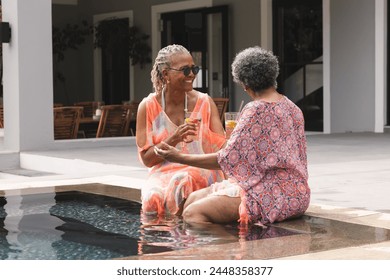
169,184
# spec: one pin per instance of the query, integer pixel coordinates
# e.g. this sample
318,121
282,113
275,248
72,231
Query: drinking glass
190,118
96,109
230,122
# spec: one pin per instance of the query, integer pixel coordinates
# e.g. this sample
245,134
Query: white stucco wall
352,65
27,60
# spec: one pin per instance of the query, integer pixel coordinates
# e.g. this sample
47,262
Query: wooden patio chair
89,107
133,105
222,105
66,122
114,121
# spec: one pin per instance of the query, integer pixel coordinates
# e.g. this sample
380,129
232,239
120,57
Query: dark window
297,42
204,32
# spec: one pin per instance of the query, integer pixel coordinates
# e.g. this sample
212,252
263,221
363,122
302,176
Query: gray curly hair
163,61
255,68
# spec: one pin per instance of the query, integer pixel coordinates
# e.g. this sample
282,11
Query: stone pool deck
349,177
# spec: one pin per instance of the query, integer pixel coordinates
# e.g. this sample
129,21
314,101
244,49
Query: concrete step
9,160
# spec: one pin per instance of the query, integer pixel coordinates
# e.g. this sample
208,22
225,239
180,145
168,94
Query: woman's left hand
167,152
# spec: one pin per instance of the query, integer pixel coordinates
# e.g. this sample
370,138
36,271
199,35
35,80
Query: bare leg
199,194
212,209
180,208
152,202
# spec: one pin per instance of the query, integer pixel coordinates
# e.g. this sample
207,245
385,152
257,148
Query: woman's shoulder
150,97
254,106
261,105
202,98
290,105
201,95
150,102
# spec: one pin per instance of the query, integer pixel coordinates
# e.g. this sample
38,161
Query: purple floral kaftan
266,157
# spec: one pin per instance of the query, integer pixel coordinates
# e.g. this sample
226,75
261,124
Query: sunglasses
187,70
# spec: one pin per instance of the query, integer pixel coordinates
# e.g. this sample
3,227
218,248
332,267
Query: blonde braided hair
163,61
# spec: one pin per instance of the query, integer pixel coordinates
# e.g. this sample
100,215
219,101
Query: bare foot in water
181,207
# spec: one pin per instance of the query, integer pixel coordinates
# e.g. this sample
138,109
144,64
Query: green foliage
72,36
69,37
110,33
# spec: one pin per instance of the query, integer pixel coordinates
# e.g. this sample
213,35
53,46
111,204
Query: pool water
74,225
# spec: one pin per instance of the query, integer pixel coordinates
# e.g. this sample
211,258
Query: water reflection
76,225
96,243
26,218
174,233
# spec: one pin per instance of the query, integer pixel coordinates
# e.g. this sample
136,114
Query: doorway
204,32
113,73
297,40
115,68
388,72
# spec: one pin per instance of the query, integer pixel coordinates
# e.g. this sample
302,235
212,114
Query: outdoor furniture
222,104
88,127
89,107
133,105
66,122
114,121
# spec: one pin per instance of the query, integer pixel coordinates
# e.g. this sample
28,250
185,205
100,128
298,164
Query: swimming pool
73,224
99,222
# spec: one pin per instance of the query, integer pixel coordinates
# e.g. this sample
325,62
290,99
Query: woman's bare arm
149,158
206,161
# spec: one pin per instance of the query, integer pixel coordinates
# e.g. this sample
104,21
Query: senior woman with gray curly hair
265,157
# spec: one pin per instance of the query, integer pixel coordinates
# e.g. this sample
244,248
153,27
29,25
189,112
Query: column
28,80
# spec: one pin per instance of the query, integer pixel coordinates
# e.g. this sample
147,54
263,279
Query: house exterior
353,71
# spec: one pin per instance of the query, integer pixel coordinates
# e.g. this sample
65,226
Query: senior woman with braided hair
161,117
265,157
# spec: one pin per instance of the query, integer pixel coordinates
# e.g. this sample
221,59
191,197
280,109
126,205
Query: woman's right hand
182,132
167,152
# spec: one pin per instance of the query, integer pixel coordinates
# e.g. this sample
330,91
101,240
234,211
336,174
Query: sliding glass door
204,32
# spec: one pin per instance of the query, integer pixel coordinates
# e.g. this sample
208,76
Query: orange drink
230,122
195,120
